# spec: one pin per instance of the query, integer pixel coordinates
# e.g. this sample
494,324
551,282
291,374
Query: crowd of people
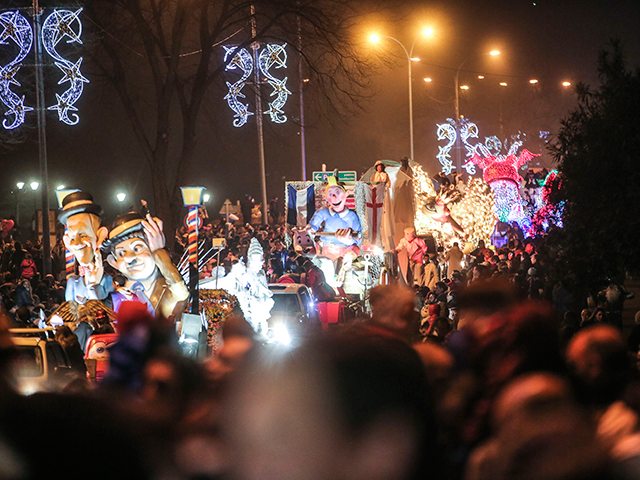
478,368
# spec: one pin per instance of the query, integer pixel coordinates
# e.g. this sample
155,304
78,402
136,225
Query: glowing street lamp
533,81
566,84
427,32
206,197
464,87
503,84
493,53
20,185
34,186
121,197
428,80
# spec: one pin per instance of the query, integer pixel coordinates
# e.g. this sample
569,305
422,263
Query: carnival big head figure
83,237
343,225
136,249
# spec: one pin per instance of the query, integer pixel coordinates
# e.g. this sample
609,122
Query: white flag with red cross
375,205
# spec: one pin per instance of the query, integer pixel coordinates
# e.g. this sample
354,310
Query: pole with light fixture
493,53
192,199
69,258
410,58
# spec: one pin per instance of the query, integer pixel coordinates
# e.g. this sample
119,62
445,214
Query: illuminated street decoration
244,61
16,28
468,130
271,56
549,214
58,26
501,173
446,131
274,55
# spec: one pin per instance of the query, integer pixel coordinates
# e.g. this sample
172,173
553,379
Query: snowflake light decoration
17,29
446,131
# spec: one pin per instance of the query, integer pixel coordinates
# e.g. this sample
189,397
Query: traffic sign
348,176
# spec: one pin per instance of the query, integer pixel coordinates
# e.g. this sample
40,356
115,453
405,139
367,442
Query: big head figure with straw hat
135,248
83,237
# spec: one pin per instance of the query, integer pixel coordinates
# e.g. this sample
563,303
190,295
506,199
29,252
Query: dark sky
550,40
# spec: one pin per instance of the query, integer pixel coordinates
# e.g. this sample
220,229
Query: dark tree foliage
597,151
163,58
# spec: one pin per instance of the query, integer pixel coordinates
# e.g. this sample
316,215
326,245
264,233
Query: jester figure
338,227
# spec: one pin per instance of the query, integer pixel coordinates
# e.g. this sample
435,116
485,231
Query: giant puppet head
83,234
336,195
128,247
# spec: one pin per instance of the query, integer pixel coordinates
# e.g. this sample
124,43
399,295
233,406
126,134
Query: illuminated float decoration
550,214
501,173
472,210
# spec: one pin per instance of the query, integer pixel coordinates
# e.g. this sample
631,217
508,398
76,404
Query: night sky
549,40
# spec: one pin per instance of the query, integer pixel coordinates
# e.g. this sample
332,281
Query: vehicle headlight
281,335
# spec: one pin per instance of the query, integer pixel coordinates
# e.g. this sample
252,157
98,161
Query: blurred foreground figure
341,408
539,433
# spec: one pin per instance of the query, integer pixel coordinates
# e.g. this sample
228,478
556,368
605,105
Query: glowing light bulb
480,77
428,80
20,185
121,197
428,32
464,87
494,53
373,38
503,84
566,84
34,185
533,81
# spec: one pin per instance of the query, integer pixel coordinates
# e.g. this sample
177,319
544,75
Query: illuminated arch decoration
58,26
271,56
244,61
18,29
501,173
275,55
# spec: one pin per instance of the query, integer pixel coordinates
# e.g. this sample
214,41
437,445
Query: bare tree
161,57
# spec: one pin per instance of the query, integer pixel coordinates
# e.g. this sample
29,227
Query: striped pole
69,260
192,223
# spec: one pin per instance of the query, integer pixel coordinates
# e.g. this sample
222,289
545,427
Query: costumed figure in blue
338,227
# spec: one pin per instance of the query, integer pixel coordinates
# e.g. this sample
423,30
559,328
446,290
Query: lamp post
192,198
410,58
121,197
20,186
34,187
493,53
69,259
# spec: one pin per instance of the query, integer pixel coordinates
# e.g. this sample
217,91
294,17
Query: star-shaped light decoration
17,108
7,74
14,27
71,72
63,107
62,21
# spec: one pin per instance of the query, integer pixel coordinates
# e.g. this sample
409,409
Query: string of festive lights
244,61
18,29
275,55
56,27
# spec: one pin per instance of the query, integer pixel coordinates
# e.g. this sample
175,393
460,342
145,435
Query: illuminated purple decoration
16,28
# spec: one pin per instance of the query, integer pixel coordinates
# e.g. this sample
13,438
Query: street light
493,53
20,185
206,197
34,186
427,32
121,197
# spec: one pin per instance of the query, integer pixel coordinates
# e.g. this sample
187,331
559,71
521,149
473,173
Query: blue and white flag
301,206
